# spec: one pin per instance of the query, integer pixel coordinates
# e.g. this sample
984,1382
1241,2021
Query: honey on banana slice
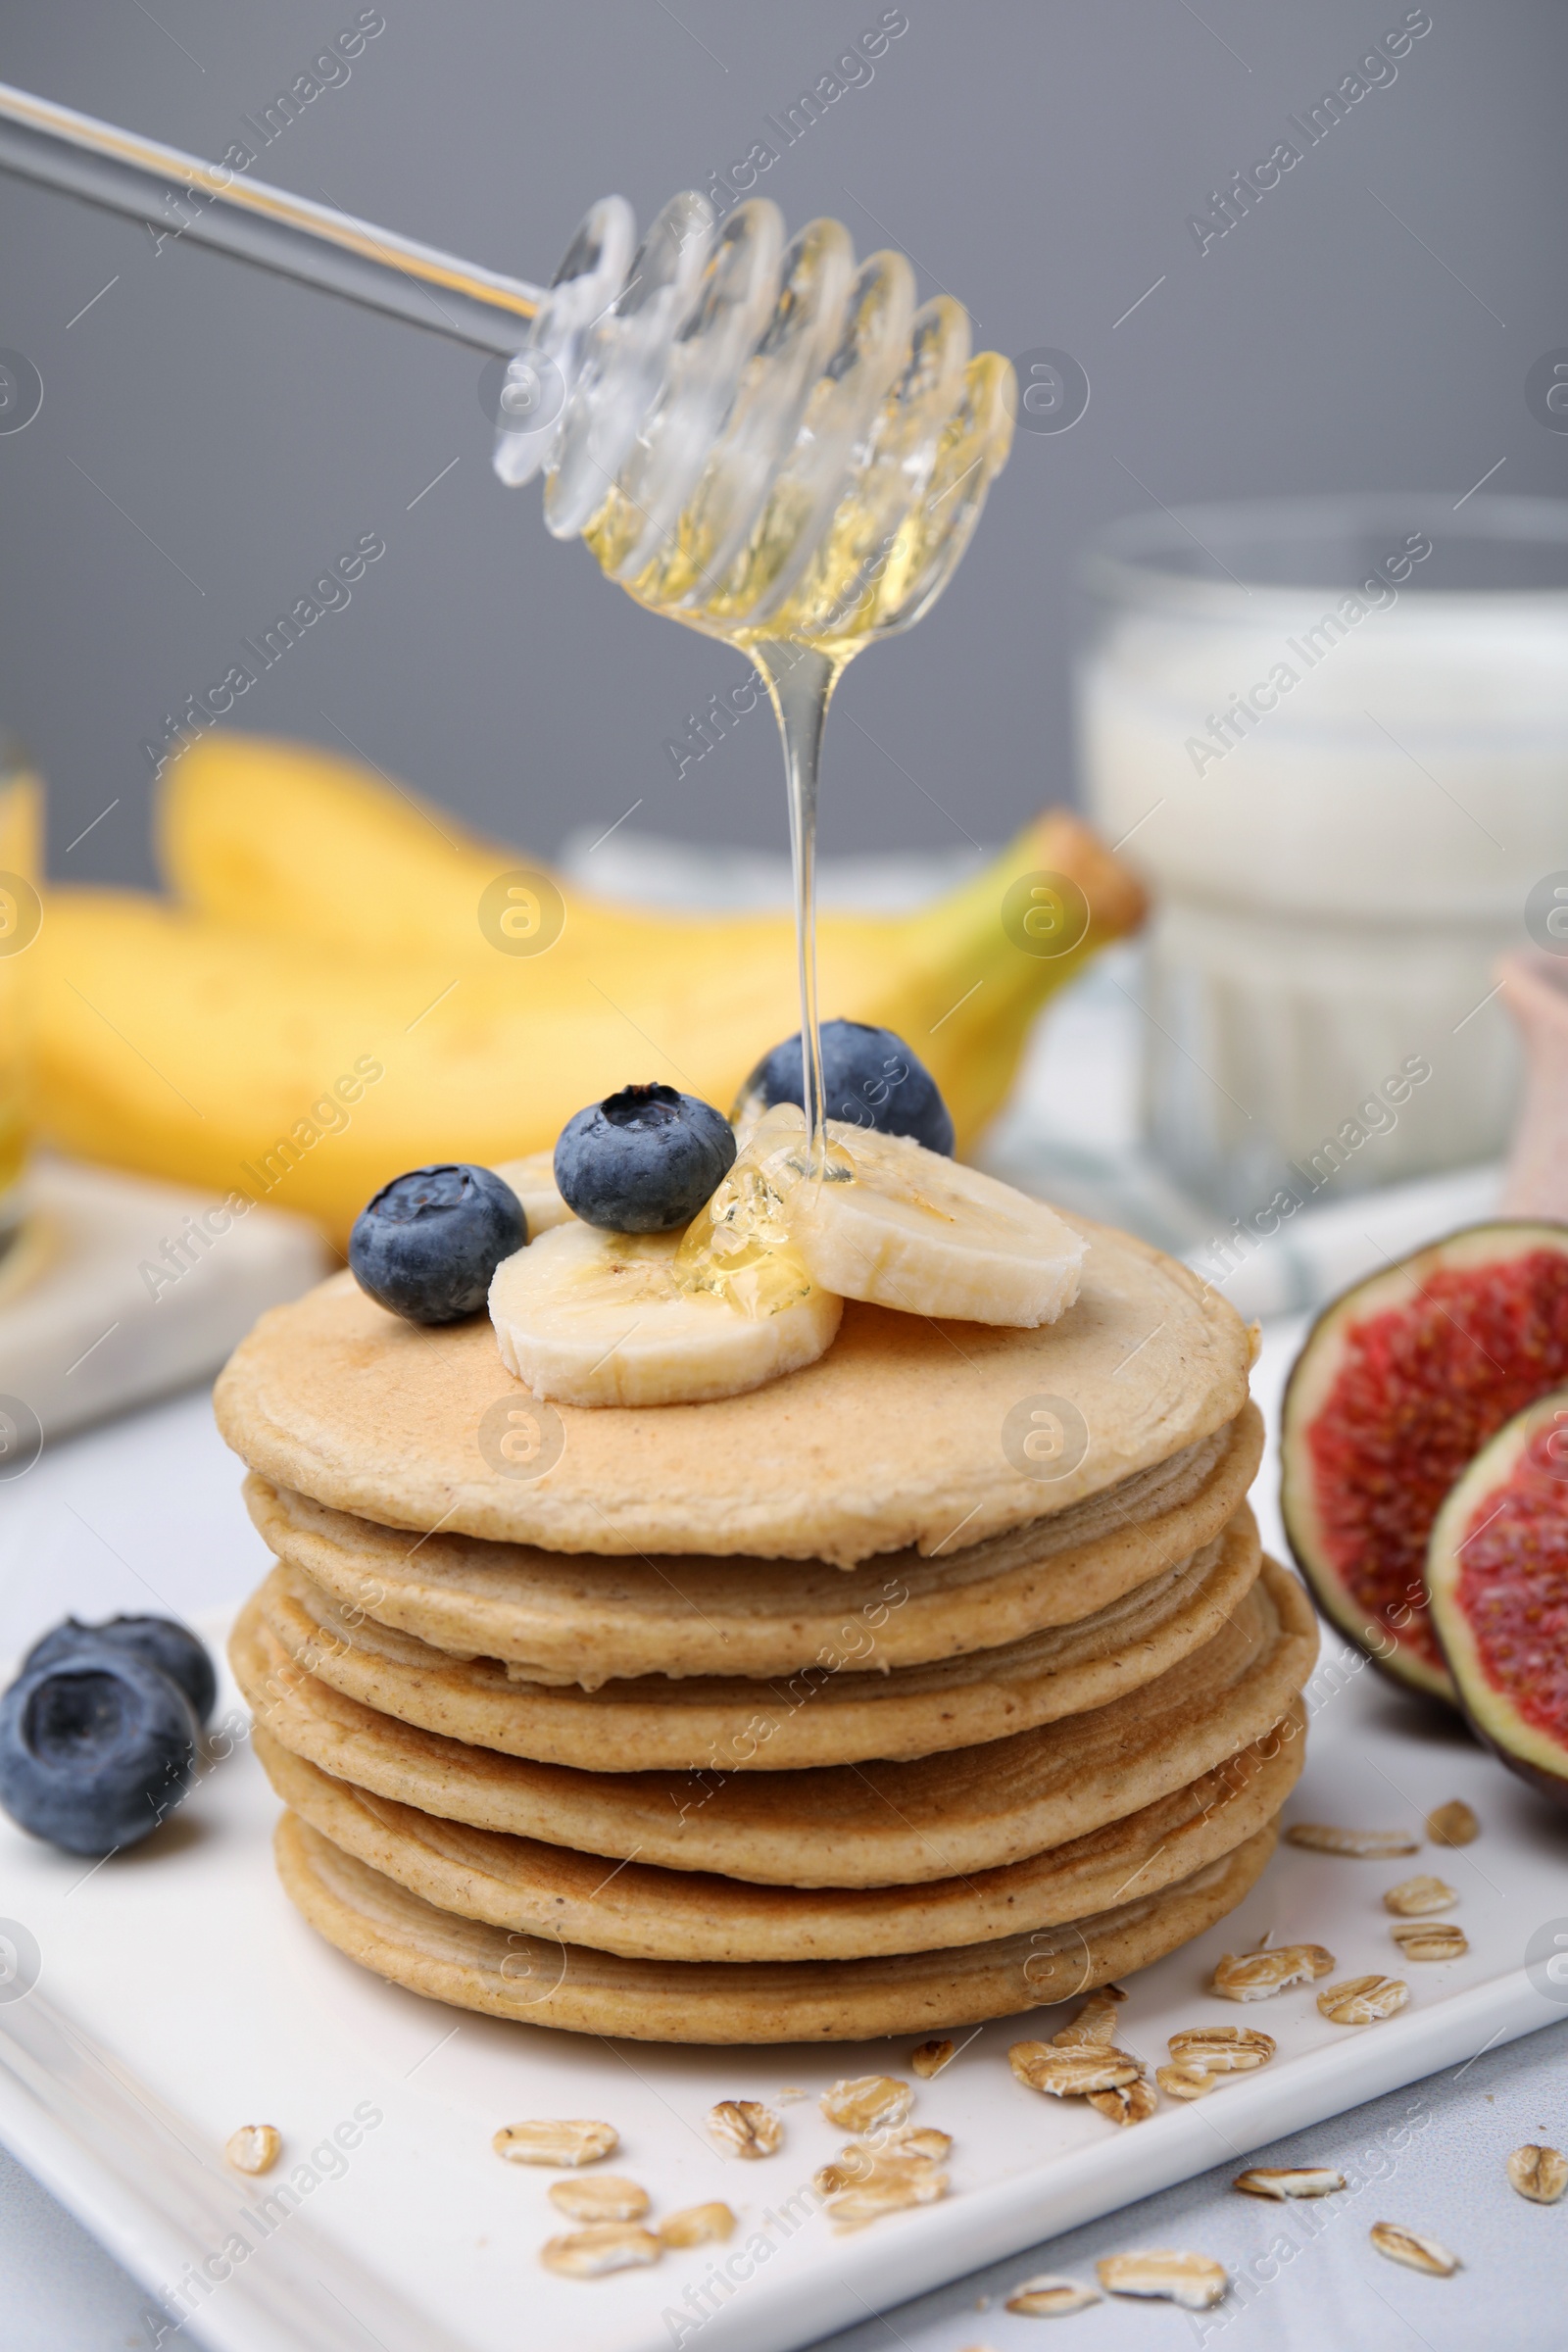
886,1220
585,1316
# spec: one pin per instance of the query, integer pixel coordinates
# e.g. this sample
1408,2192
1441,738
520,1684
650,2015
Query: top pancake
892,1438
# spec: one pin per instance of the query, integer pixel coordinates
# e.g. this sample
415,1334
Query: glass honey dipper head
758,436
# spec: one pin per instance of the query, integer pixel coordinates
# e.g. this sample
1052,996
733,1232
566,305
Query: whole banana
319,1007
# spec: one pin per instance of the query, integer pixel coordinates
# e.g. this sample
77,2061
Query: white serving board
178,1997
96,1315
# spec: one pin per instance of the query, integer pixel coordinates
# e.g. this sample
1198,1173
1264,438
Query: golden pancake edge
898,1437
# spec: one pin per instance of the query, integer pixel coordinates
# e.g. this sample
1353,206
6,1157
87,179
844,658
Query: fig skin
1502,1466
1494,1241
1333,1599
1553,1786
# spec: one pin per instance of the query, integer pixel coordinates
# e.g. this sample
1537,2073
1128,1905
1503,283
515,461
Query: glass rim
1142,558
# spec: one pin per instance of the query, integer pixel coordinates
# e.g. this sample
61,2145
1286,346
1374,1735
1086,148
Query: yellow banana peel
283,838
324,1009
21,840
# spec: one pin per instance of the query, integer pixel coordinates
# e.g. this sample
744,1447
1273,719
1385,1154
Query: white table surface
144,1513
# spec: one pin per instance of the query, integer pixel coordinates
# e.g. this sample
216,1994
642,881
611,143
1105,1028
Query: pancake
707,1722
898,1437
864,1825
384,1928
588,1618
652,1914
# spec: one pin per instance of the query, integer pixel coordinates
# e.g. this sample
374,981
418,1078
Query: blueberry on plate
643,1160
95,1749
172,1648
869,1079
428,1243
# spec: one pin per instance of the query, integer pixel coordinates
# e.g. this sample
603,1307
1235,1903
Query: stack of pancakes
821,1712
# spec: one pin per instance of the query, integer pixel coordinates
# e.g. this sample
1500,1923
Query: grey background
1038,157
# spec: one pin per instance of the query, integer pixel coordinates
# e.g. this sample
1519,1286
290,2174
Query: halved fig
1399,1385
1497,1579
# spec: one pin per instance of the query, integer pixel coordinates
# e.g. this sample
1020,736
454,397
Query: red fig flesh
1398,1386
1497,1579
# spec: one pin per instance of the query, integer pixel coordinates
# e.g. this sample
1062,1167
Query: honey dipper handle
179,194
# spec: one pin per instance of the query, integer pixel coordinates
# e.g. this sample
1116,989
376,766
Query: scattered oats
1452,1823
1257,1976
1282,2181
253,2147
1184,2081
889,2159
1072,2073
852,2165
1194,2280
744,2127
556,2144
1222,2049
1414,1898
602,2197
867,2103
697,2226
1538,2173
1050,2297
1416,2253
858,2166
1431,1939
1128,2103
1095,2022
593,2252
891,2188
928,2058
1365,1845
1363,2000
790,2093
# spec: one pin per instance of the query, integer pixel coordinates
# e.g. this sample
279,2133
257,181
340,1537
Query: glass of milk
1332,734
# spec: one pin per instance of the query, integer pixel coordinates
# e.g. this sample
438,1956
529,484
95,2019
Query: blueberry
172,1648
869,1079
643,1160
95,1749
426,1247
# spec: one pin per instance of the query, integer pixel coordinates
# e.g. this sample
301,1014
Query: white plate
179,1996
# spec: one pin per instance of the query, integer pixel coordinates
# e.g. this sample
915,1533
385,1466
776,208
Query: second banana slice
914,1231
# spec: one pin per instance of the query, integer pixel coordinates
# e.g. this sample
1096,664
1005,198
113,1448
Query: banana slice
588,1318
897,1224
533,1180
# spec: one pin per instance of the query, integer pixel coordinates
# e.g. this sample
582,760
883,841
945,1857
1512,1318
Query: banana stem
800,683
